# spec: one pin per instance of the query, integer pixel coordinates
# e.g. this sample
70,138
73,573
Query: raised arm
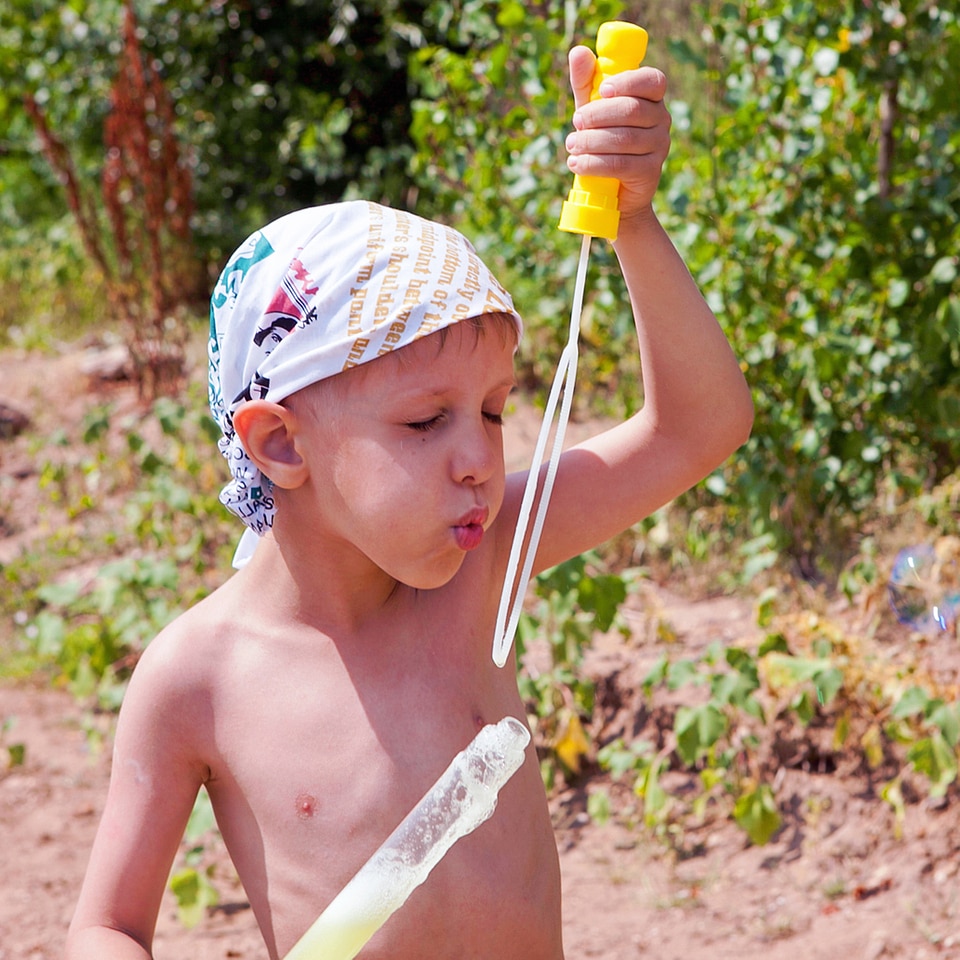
697,408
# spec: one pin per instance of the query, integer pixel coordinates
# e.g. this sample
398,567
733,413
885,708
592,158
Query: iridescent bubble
924,587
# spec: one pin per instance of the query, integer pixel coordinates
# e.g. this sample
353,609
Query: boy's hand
624,134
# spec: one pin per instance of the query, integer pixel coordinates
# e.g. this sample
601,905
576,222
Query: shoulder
175,682
182,654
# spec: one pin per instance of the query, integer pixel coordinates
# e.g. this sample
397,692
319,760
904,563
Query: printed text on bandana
438,275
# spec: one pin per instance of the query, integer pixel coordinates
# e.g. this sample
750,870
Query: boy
321,690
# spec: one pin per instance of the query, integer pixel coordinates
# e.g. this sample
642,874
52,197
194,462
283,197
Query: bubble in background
924,587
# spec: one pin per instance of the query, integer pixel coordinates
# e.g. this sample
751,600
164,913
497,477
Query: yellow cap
591,207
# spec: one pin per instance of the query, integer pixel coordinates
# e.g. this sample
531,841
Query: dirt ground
836,882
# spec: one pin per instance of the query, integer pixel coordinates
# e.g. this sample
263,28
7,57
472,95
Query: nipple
306,805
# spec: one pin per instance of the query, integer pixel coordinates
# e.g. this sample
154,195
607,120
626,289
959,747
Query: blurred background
812,188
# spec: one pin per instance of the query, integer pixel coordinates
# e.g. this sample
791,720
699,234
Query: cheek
377,483
495,491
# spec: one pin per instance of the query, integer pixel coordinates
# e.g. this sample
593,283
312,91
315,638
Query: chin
433,579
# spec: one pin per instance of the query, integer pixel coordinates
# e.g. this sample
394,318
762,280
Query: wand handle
592,207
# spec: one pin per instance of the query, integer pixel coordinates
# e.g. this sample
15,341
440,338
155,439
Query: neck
337,591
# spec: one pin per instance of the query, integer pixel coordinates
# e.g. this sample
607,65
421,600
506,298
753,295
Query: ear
268,432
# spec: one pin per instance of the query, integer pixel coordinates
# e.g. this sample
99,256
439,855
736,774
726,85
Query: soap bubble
924,587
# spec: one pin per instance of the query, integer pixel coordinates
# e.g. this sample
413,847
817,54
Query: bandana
320,291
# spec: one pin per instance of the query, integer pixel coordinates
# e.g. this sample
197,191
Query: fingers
614,128
582,65
625,133
648,83
622,123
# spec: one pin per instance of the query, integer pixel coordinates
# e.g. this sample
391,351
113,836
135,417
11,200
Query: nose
478,453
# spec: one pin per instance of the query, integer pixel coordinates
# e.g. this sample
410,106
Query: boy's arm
697,408
153,784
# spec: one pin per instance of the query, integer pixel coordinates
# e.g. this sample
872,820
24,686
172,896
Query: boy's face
406,452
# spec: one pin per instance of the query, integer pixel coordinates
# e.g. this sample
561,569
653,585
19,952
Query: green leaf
649,789
892,793
944,717
913,701
773,643
937,760
897,292
60,594
202,819
657,674
756,813
186,888
697,729
681,673
194,893
804,706
51,633
944,270
511,14
598,807
784,671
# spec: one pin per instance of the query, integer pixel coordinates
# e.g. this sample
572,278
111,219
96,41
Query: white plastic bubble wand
591,209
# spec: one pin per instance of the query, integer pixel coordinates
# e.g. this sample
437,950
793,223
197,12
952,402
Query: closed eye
494,418
423,426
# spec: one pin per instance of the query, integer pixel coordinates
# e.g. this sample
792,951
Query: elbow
742,418
726,429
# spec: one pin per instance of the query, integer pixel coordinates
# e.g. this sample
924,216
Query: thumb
582,64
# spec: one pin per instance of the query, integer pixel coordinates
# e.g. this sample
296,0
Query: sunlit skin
325,686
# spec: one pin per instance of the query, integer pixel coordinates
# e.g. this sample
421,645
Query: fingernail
578,120
607,89
571,142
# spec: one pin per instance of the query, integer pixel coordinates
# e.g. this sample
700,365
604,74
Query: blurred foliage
826,237
812,189
283,104
103,580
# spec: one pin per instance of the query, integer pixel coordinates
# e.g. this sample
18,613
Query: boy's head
320,291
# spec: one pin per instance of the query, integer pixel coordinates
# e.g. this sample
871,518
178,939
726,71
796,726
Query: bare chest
316,768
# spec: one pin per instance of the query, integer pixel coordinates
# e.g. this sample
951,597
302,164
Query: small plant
16,751
193,885
713,737
94,632
173,533
930,728
641,761
575,599
806,674
146,198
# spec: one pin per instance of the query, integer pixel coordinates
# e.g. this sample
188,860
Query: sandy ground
836,882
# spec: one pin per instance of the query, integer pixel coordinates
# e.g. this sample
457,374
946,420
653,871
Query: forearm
693,386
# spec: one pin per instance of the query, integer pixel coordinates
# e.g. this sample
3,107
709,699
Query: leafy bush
489,126
727,722
826,239
574,600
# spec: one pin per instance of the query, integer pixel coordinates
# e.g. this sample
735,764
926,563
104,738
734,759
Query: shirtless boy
321,690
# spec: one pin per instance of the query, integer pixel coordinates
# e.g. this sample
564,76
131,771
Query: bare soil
840,880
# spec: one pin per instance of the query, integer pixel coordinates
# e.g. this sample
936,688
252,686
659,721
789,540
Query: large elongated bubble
463,798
